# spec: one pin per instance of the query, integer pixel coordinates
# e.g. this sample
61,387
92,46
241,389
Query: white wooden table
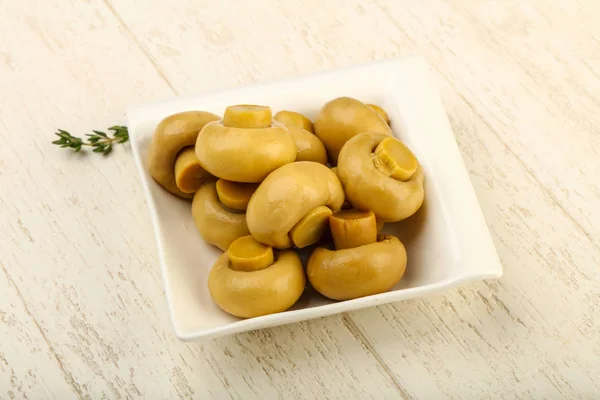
82,307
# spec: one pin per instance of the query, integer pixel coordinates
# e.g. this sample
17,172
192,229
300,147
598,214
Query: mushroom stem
353,228
235,195
394,159
311,227
248,254
247,116
189,174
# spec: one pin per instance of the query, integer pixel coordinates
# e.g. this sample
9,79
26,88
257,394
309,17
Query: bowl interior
436,253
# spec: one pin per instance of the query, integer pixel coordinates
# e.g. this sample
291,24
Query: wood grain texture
83,294
80,253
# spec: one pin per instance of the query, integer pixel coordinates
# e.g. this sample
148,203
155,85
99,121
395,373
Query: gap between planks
67,375
139,45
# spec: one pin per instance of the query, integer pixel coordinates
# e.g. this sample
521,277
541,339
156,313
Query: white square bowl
447,241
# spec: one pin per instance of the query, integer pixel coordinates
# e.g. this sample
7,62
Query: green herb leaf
99,141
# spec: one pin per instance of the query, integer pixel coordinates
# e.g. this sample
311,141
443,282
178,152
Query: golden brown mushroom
235,196
294,119
249,280
171,136
189,174
217,225
310,148
341,119
381,112
363,263
387,181
292,197
245,146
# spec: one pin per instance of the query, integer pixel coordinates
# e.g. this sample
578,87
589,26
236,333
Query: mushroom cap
359,271
342,118
310,148
171,135
367,188
292,118
244,154
252,294
217,225
287,195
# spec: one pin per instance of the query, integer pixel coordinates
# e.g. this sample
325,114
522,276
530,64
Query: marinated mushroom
381,174
362,264
189,174
294,119
217,225
245,146
235,195
341,119
381,112
287,208
171,136
310,148
250,280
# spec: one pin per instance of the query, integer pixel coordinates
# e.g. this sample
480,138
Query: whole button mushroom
174,136
249,280
384,115
310,147
387,181
363,262
295,119
245,146
218,211
292,205
341,119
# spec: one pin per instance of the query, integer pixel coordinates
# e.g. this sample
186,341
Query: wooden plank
23,341
80,248
522,336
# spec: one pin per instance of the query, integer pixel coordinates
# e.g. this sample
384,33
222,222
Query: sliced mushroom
245,146
380,174
363,263
341,119
250,280
171,136
217,225
286,196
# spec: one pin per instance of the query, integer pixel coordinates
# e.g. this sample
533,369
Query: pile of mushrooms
265,188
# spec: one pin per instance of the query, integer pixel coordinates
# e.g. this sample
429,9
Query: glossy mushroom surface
294,119
382,113
245,146
189,174
286,196
359,271
370,178
249,280
310,147
341,119
171,136
217,225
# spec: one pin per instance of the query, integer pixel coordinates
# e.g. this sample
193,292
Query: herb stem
99,141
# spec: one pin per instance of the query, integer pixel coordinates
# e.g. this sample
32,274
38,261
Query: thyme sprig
99,141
